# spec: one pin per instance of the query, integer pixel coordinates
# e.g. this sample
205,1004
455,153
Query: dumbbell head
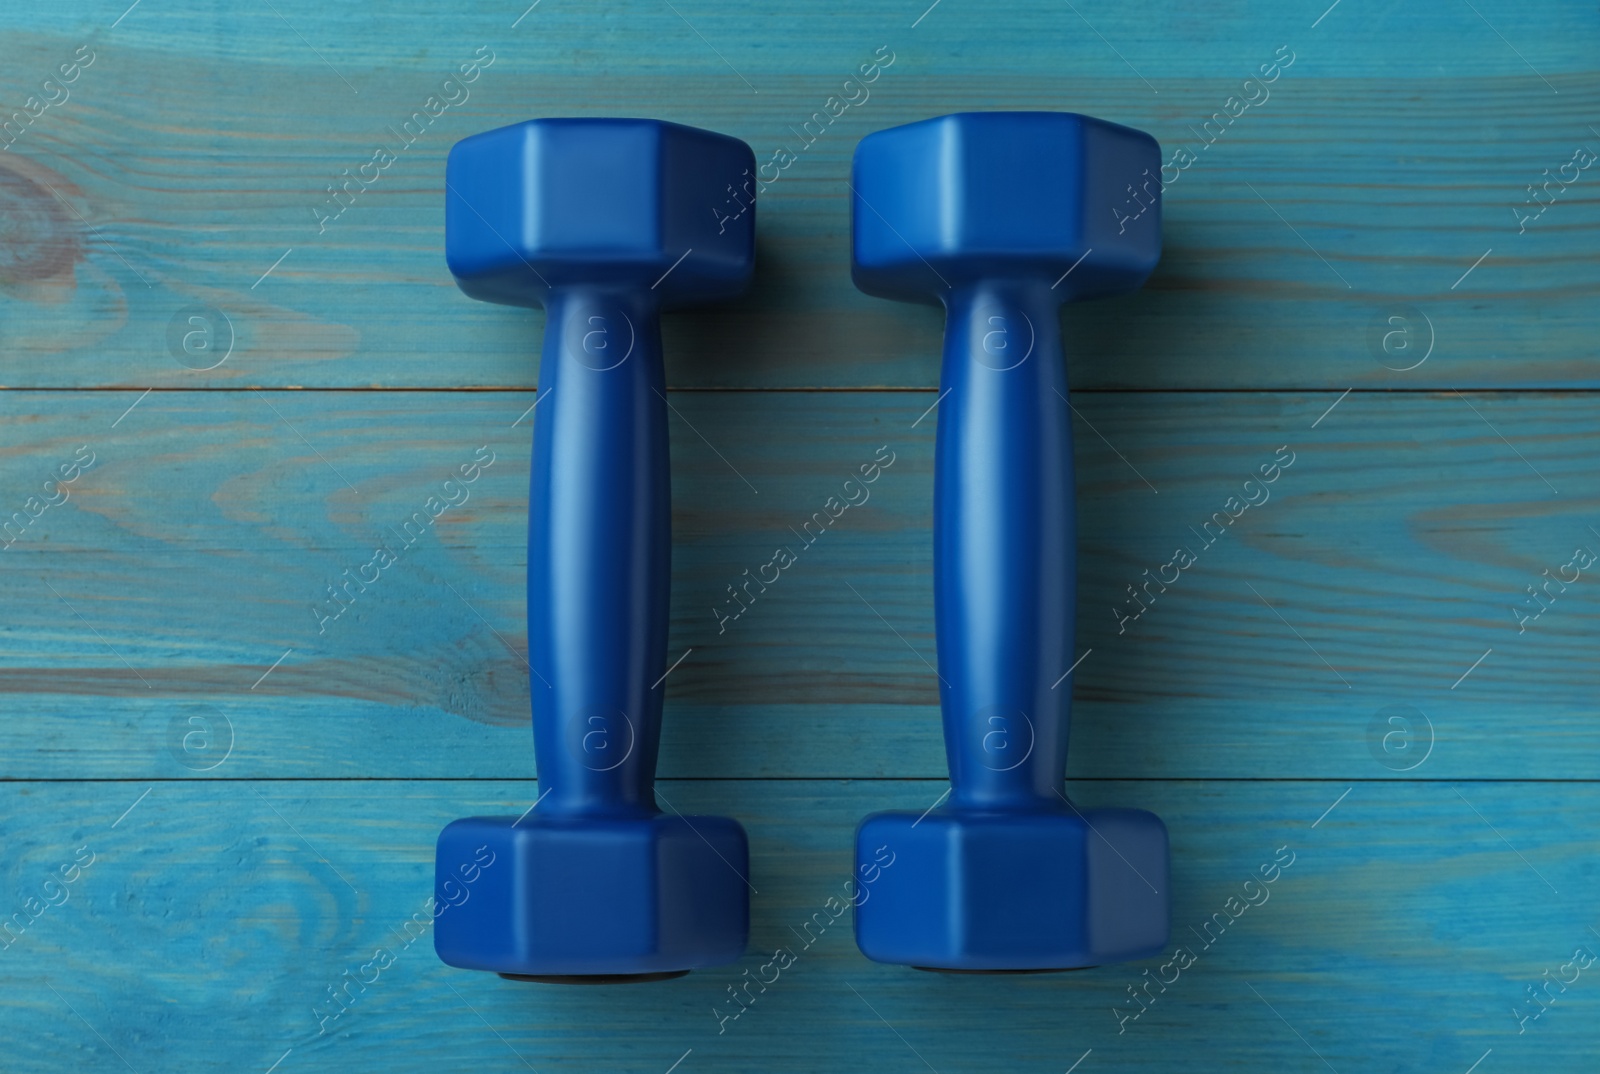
1005,195
591,897
556,203
1013,891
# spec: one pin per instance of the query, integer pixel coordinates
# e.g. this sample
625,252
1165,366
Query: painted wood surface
1342,674
215,917
194,155
1394,551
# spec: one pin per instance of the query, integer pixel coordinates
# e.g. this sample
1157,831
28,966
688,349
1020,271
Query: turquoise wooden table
234,365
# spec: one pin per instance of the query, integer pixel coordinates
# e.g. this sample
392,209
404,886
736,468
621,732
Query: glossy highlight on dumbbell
1001,217
604,223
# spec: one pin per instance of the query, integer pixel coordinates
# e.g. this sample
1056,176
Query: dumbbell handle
599,553
1004,546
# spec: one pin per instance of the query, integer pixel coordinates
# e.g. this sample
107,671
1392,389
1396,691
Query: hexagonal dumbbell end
627,204
1053,196
591,897
993,891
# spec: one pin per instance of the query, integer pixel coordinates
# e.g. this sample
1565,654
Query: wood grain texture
1387,558
1341,674
1389,157
214,918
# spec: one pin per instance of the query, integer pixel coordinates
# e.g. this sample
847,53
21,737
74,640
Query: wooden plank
191,161
179,578
213,920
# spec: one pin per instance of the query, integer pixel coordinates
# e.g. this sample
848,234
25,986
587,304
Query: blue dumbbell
1001,217
604,223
